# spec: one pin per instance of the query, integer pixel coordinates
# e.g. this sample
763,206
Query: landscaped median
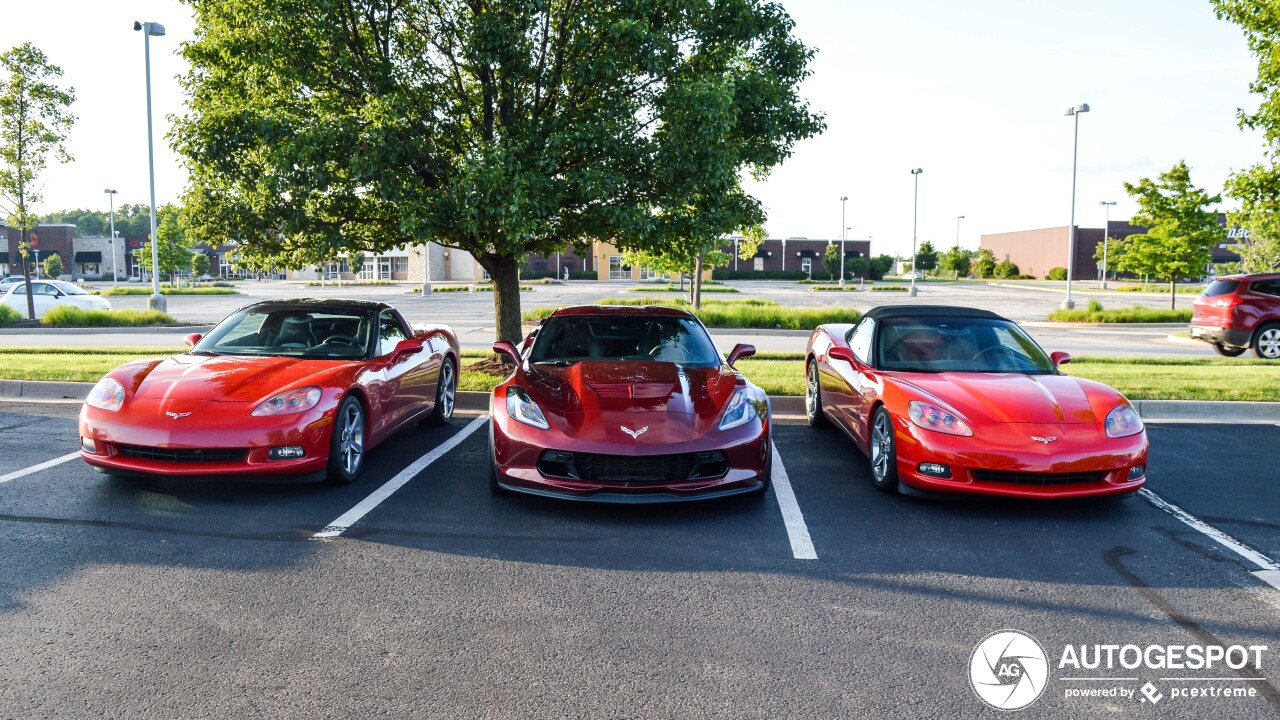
748,314
779,374
121,290
1094,313
68,316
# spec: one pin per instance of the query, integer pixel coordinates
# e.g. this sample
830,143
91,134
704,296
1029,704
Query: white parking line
352,516
1268,571
797,531
37,468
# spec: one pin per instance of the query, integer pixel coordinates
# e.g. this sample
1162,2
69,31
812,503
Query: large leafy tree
1183,230
926,257
956,261
35,120
1257,188
500,127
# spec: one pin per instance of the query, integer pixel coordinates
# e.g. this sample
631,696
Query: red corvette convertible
959,400
627,404
287,389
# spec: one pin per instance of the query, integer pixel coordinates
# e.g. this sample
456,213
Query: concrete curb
180,329
783,405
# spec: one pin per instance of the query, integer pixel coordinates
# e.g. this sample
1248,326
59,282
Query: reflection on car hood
223,377
1007,397
593,400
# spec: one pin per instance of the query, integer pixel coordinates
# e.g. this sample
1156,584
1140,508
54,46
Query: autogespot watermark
1009,670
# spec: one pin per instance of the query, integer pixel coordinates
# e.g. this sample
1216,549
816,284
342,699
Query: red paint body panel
1004,411
588,404
221,392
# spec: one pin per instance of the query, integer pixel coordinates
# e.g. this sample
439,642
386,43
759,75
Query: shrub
53,266
71,316
889,288
1095,314
1058,273
753,313
9,316
170,291
1005,270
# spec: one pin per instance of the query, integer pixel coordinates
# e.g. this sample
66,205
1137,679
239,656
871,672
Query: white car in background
49,294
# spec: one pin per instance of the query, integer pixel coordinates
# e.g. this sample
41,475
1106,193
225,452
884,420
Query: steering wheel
1002,351
341,340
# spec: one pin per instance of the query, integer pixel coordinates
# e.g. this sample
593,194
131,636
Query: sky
974,93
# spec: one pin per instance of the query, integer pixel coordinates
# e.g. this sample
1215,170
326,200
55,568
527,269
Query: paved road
164,599
471,314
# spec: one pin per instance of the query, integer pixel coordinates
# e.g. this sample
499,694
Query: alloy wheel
881,446
1269,343
351,440
448,390
811,391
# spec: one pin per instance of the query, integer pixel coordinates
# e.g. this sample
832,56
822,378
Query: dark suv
1238,312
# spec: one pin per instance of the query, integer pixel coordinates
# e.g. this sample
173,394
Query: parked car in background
630,405
1240,312
957,400
11,280
285,389
49,294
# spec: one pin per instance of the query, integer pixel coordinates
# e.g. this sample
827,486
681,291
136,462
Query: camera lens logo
1008,670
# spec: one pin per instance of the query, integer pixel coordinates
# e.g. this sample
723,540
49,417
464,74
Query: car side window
390,333
43,289
21,289
1266,287
860,340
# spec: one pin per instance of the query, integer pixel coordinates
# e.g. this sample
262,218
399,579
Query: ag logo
1008,670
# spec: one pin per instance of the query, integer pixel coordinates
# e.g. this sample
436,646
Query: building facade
795,254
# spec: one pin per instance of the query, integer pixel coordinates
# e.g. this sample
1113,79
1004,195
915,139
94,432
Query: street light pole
426,268
1106,230
915,224
843,232
111,242
156,301
1074,112
958,219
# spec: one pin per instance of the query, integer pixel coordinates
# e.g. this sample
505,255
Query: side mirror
1059,358
405,348
841,352
508,348
192,339
740,351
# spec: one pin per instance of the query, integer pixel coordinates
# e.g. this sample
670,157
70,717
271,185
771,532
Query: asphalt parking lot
171,599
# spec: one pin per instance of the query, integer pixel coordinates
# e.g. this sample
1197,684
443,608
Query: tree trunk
1173,294
26,280
505,273
696,283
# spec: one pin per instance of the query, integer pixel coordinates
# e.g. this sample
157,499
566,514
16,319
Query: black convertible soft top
894,311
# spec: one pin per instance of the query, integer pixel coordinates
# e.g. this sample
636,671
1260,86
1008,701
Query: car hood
595,400
1008,397
225,378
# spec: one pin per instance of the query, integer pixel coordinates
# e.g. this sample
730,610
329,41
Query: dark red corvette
960,400
285,389
627,404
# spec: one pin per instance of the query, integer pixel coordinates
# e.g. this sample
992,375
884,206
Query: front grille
1032,478
183,455
633,468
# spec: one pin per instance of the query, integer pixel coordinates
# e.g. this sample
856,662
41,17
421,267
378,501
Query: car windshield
958,344
68,289
569,339
330,334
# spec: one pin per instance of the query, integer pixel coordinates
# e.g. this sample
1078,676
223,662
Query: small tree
926,257
956,261
34,123
199,264
831,260
1005,270
1258,218
1182,230
172,232
53,266
984,265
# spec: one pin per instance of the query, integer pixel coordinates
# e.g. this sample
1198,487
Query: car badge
1045,440
635,434
177,416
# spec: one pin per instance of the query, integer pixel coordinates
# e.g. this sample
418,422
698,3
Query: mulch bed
496,365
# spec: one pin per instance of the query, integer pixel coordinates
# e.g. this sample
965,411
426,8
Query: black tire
492,462
813,396
1266,342
347,442
1227,351
883,452
446,394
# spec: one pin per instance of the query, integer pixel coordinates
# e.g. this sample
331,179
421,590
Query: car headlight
289,401
1123,421
106,395
931,417
741,410
523,409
